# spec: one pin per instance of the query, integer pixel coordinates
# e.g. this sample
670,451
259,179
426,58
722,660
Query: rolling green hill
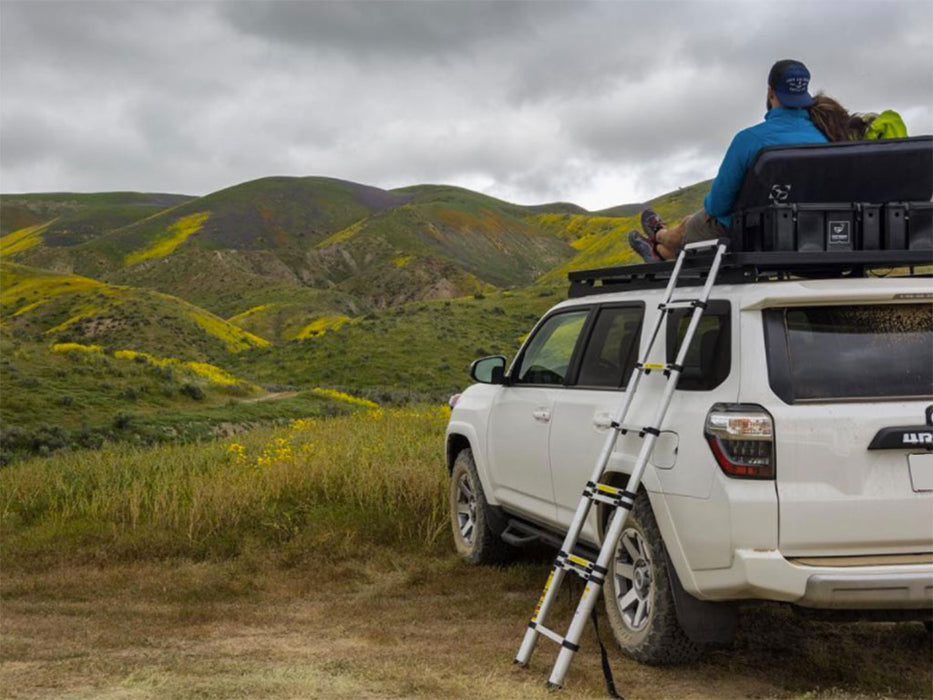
179,315
53,307
287,234
68,219
305,248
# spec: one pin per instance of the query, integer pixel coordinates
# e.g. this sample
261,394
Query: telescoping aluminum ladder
622,500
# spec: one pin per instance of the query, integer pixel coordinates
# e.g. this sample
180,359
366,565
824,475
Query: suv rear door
582,412
844,372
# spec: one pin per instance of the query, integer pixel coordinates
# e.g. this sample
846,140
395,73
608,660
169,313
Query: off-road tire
657,639
471,519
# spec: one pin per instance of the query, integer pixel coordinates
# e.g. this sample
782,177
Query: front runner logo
917,438
779,193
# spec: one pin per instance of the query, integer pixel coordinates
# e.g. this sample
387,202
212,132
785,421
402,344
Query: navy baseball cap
790,81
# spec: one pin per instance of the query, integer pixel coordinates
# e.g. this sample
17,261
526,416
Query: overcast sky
595,103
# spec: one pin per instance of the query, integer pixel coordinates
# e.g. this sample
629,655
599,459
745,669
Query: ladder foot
518,662
552,686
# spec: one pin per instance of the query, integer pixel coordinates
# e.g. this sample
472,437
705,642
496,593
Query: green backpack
887,125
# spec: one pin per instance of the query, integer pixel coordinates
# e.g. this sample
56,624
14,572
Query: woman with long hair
838,124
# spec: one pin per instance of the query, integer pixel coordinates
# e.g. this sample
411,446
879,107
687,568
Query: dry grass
338,483
386,625
313,561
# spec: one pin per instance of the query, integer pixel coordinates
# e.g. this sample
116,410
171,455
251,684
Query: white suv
795,463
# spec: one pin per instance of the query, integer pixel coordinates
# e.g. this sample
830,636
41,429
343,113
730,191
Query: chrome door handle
541,414
602,420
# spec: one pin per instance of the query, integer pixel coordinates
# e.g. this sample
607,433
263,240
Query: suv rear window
709,358
826,353
612,349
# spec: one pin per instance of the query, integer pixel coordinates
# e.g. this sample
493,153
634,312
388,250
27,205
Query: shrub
122,421
192,391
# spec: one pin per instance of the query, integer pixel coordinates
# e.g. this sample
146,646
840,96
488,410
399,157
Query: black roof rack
743,268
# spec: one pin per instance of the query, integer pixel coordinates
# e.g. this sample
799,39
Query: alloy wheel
634,580
466,509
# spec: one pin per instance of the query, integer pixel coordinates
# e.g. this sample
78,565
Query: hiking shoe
651,223
643,247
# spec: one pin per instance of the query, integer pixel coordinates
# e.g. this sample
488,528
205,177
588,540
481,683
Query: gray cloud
599,103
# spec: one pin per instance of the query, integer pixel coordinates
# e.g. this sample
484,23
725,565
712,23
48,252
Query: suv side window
612,349
709,357
547,357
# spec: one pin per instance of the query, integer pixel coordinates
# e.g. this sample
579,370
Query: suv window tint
822,353
548,355
612,349
709,357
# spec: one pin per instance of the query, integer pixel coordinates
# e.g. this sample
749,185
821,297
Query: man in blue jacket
786,122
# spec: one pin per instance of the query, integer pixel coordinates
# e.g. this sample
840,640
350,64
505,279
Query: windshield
824,353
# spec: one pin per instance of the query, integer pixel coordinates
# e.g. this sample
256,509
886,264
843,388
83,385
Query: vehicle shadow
798,653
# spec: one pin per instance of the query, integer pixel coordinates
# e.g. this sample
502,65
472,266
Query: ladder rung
640,430
710,243
549,633
578,565
584,568
610,495
682,304
666,367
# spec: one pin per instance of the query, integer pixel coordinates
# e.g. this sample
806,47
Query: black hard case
865,195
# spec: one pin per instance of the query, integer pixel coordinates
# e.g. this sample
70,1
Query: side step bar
520,533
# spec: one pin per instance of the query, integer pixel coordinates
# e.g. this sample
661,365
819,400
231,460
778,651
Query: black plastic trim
893,438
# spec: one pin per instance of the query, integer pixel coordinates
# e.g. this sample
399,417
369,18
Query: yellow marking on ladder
608,489
547,585
654,365
578,560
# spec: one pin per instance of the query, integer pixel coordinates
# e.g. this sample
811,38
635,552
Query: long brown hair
835,121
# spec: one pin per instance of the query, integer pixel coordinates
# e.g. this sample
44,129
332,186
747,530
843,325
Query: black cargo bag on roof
859,195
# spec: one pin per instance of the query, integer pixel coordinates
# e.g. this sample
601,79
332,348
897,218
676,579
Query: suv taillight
741,437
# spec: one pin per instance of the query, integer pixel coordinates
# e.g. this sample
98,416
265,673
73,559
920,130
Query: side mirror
489,370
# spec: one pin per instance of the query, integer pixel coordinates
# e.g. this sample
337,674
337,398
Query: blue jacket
781,126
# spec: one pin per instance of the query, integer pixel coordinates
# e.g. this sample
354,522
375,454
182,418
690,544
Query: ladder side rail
668,294
592,589
698,313
549,594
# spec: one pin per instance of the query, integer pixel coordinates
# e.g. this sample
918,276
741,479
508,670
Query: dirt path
396,628
276,396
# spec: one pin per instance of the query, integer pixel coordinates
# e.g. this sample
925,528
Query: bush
122,421
192,391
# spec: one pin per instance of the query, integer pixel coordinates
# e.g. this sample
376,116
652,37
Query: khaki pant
701,227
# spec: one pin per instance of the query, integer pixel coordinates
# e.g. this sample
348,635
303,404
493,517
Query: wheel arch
702,621
456,443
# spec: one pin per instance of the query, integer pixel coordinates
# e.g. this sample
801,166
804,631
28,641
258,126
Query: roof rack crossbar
746,267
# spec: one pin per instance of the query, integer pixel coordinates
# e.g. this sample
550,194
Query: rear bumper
850,591
767,575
